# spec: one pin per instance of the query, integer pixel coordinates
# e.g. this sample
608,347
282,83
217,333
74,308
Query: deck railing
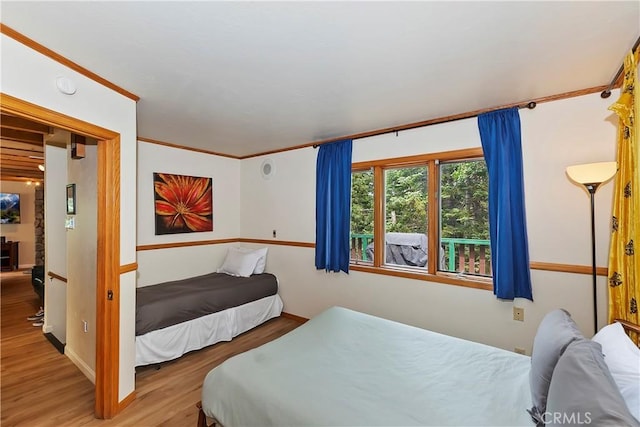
468,255
460,255
359,243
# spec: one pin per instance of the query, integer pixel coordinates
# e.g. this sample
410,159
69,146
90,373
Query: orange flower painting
184,204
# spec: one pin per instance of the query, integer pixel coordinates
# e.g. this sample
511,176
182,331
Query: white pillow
623,360
262,261
237,263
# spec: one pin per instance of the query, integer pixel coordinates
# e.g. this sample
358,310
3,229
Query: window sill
445,278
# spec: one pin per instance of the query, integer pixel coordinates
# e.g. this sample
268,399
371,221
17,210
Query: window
428,212
405,205
362,215
464,217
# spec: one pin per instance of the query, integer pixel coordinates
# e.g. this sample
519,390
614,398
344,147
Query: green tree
362,202
464,200
463,195
406,200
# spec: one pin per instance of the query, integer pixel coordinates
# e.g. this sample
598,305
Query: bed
176,317
348,368
367,371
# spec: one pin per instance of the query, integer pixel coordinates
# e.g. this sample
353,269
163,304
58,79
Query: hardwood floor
41,387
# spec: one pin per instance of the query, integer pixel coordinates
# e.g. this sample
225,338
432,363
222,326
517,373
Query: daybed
348,368
176,317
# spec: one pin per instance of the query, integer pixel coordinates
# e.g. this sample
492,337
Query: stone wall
39,225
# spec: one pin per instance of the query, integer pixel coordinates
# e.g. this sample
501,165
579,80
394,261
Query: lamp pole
591,176
592,191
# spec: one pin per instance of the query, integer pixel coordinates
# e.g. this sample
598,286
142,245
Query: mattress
172,342
170,303
348,368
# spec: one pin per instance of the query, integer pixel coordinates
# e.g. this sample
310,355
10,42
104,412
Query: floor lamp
591,176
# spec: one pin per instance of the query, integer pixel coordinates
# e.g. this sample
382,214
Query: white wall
286,202
24,233
30,76
82,254
555,135
184,262
55,258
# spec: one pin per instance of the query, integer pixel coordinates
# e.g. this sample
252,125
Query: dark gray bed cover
170,303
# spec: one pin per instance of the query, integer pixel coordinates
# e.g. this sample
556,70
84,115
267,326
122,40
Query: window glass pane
406,216
464,218
362,216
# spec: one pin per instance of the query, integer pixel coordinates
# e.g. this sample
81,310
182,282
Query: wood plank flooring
41,387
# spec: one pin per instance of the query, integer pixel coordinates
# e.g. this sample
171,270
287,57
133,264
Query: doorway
108,244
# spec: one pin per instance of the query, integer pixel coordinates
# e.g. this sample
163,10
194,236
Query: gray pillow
556,331
582,390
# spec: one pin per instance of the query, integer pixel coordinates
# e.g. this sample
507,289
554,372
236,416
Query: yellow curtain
624,254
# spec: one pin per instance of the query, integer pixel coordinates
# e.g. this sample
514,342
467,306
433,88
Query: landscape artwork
10,208
183,204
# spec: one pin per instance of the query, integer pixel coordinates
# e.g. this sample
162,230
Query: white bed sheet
344,368
172,342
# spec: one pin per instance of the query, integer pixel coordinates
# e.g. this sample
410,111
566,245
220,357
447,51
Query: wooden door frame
108,245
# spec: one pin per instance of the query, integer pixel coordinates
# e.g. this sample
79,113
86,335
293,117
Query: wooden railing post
452,252
472,258
461,258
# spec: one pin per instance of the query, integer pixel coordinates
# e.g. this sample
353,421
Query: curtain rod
607,92
530,105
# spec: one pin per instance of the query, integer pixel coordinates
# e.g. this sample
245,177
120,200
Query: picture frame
183,203
71,199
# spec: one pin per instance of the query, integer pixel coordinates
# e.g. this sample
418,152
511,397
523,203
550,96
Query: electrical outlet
520,350
518,314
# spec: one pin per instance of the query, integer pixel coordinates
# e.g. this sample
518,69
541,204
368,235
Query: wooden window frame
431,274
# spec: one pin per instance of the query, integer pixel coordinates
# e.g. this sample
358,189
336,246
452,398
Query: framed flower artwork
183,204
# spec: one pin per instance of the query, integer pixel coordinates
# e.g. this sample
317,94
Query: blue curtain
501,143
333,206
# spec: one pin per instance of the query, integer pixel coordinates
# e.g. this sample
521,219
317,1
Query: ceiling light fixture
66,85
41,167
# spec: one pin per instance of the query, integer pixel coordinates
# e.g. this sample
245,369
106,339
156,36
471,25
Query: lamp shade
592,173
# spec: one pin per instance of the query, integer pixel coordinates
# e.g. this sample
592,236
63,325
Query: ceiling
22,145
247,77
22,148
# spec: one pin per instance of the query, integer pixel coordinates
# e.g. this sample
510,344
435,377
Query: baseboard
293,317
126,401
55,341
84,368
